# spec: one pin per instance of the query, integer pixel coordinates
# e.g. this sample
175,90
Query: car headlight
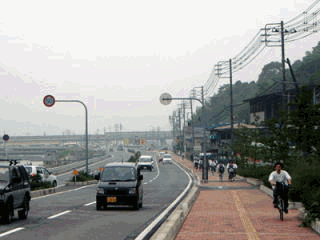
100,190
132,191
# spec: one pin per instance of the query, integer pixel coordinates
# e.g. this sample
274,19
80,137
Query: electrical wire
255,47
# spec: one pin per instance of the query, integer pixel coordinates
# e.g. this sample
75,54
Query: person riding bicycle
232,169
220,168
213,166
283,176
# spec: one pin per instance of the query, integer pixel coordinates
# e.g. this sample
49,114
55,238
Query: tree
305,122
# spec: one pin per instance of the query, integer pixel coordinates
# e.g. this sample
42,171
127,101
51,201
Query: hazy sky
117,57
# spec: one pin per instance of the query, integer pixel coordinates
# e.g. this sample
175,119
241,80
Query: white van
145,162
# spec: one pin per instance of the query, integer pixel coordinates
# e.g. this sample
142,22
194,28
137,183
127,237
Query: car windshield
167,156
4,174
145,160
118,174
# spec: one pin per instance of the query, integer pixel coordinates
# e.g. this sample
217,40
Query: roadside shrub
132,159
40,185
82,177
305,188
258,172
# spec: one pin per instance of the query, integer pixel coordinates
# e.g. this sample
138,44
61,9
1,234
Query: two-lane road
72,214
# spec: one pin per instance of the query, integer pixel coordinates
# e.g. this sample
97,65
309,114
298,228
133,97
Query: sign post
5,139
75,174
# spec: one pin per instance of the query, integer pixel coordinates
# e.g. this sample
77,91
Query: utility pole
231,102
192,128
283,67
184,124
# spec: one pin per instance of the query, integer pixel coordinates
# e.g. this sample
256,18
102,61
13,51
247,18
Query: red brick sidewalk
238,213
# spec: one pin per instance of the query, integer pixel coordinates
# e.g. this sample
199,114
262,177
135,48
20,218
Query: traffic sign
165,98
49,100
5,137
75,172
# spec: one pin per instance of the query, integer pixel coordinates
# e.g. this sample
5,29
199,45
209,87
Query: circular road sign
49,100
165,98
6,137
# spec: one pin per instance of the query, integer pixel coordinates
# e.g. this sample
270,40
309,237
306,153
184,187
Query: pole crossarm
184,99
86,111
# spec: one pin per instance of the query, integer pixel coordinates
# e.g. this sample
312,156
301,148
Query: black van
119,184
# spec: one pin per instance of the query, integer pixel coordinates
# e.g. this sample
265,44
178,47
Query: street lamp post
49,101
166,99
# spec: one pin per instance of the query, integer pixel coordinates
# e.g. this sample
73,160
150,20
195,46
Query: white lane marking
143,234
53,194
155,176
88,204
59,214
11,231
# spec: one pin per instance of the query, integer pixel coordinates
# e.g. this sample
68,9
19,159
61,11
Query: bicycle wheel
281,207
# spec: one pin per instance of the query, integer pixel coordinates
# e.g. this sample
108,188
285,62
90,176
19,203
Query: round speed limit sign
49,100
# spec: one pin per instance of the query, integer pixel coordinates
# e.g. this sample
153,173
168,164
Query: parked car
145,162
119,184
40,175
167,159
15,191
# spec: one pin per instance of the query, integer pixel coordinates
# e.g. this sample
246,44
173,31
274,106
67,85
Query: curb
81,183
169,229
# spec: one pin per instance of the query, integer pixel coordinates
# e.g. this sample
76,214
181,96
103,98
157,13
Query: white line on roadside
59,214
143,234
53,194
11,231
155,176
88,204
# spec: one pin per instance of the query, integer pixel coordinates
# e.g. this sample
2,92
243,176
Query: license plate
111,199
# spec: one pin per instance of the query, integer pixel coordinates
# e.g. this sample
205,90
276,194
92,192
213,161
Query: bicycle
280,191
221,176
232,174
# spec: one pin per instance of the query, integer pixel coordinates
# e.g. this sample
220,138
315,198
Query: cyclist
283,176
232,169
220,168
213,166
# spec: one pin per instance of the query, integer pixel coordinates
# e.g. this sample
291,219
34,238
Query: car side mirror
140,177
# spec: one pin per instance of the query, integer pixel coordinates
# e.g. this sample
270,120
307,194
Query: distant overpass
107,137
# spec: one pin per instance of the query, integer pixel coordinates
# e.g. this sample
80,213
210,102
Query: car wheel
23,214
8,213
98,206
136,204
54,184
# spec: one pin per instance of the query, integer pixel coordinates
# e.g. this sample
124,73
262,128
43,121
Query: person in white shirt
232,164
213,166
232,169
283,176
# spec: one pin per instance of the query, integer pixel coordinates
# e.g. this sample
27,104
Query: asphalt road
72,214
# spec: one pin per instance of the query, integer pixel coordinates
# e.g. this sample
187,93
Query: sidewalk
237,210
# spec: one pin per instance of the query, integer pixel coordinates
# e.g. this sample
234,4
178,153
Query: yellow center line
245,219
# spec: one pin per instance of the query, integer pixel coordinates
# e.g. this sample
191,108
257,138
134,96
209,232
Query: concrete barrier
169,229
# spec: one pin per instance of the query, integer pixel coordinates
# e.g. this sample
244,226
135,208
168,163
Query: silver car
44,175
